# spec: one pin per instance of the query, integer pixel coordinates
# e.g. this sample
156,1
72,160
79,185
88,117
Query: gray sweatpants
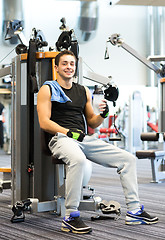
75,155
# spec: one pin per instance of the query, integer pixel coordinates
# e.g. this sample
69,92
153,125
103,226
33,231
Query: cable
88,66
7,55
115,124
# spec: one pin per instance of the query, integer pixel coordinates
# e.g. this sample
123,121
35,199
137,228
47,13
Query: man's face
66,67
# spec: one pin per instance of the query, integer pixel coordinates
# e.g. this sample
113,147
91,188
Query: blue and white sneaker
141,217
74,224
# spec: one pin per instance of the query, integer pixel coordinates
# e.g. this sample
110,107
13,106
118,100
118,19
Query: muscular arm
93,120
44,112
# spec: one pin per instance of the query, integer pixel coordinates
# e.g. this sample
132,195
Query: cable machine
33,175
157,157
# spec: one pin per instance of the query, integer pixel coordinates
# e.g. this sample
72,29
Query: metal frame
45,186
157,163
5,182
158,171
115,40
5,71
58,204
37,184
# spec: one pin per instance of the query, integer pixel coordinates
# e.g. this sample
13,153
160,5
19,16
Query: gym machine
157,157
34,177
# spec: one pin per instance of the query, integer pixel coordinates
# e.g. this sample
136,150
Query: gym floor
42,226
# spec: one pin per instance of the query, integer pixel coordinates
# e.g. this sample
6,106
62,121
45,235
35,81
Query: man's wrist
76,134
104,115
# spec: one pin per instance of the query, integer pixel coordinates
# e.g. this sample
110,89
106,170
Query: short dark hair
62,53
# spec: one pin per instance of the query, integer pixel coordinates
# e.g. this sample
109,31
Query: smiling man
62,106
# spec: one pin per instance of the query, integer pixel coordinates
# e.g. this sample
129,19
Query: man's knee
128,157
79,161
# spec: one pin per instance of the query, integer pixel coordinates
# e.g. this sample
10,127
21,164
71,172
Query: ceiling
131,2
140,2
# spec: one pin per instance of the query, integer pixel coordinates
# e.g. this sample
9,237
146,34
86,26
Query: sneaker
75,224
141,217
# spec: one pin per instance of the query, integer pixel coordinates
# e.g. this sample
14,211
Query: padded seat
149,154
157,163
157,157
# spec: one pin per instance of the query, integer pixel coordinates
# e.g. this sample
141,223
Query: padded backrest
45,148
44,143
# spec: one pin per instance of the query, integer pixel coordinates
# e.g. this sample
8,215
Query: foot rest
149,154
110,207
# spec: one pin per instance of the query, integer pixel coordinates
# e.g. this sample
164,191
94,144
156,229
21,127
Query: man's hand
76,134
104,109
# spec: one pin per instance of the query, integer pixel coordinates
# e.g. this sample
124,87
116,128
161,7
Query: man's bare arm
44,112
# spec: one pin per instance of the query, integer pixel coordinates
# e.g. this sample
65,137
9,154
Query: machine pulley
111,93
116,40
13,27
66,41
